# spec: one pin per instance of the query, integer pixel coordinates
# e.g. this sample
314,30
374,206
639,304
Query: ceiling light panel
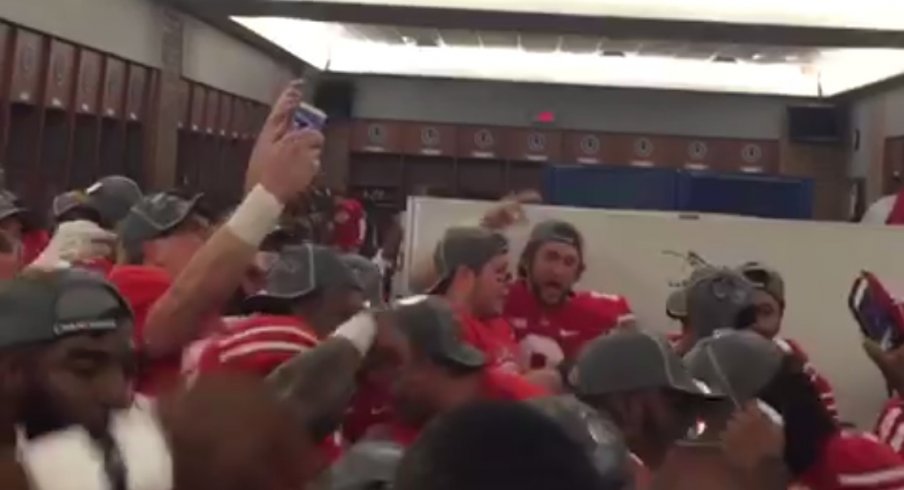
861,14
578,60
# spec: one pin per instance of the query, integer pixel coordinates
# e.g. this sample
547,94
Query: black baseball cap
720,299
155,216
113,196
40,307
600,438
433,328
738,363
633,360
298,271
465,246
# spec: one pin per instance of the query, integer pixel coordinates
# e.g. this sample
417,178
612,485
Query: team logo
590,144
643,147
697,150
536,142
376,134
751,153
429,136
484,139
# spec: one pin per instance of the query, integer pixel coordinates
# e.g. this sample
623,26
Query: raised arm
282,165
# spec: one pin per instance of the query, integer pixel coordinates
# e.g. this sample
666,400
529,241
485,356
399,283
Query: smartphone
307,116
879,314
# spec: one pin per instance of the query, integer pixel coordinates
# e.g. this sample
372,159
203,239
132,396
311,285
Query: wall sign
643,147
751,153
376,137
697,150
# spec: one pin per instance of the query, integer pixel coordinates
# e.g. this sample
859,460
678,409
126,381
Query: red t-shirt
890,425
348,225
498,385
550,334
495,338
142,286
853,461
33,243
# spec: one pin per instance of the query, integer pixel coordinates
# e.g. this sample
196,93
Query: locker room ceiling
807,48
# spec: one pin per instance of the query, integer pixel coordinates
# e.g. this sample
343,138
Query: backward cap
719,300
466,246
765,278
432,327
113,196
154,216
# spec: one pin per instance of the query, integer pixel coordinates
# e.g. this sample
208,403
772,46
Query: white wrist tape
256,216
360,330
71,460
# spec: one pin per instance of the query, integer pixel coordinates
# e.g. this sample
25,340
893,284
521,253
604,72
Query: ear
464,279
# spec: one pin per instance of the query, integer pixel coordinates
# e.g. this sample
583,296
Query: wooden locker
211,111
481,142
196,115
87,94
114,87
377,137
184,107
583,147
533,145
137,92
5,34
28,60
237,126
429,140
224,122
60,75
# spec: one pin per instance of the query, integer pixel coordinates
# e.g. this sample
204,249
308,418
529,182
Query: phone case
308,116
879,314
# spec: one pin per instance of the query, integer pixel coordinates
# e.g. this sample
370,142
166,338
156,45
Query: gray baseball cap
465,246
154,216
298,271
368,465
599,437
676,304
70,201
113,196
368,275
738,363
432,327
10,205
40,307
720,299
633,360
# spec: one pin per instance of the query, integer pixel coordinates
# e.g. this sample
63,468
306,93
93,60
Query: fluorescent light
862,14
329,46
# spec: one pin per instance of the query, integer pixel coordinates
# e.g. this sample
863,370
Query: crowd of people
147,344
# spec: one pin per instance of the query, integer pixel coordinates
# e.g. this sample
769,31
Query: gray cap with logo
431,326
738,363
155,216
113,196
720,299
633,360
42,307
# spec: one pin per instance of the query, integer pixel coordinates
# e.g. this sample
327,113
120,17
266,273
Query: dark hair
491,446
808,424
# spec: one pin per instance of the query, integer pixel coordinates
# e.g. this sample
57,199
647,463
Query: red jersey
852,461
499,385
142,286
822,385
257,345
349,225
550,334
33,243
890,426
495,338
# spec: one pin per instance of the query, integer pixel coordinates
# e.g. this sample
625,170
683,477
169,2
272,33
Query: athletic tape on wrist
256,216
70,459
360,330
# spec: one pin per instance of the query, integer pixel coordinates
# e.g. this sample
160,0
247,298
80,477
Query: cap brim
268,301
695,388
12,212
676,304
467,356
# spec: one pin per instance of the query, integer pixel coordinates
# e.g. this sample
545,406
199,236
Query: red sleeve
820,382
890,425
857,462
33,243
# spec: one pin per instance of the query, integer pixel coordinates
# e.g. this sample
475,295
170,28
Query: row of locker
550,145
69,114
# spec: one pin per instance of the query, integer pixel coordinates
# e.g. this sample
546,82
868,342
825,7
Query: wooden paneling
637,150
582,147
524,176
28,58
60,75
749,156
428,139
485,142
198,107
533,145
481,179
114,87
239,111
137,92
184,104
429,174
893,168
5,33
377,137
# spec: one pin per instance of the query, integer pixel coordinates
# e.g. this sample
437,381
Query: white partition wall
633,253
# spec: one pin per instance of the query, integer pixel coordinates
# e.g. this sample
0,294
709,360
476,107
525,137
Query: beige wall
132,29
